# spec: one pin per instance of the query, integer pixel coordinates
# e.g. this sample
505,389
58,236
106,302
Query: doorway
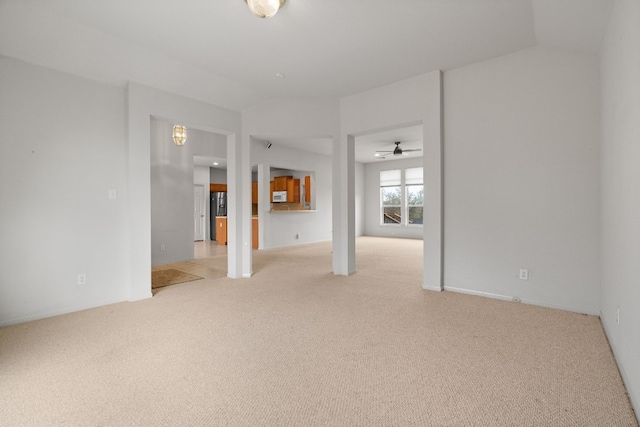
199,208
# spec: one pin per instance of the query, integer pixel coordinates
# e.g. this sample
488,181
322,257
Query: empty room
320,213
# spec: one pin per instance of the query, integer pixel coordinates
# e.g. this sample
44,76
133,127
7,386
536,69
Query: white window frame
389,181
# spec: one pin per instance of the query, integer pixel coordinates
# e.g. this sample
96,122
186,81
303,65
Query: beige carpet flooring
296,346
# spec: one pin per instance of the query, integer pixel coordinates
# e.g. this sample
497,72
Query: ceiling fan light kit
264,8
397,151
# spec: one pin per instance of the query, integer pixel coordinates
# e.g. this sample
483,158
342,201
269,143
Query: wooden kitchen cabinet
254,193
254,233
221,230
307,189
217,187
280,182
293,190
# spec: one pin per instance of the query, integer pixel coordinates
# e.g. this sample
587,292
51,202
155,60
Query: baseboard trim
288,245
581,310
432,288
634,398
140,297
44,315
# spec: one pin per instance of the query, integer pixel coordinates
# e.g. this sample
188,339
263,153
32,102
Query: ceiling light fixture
179,135
264,8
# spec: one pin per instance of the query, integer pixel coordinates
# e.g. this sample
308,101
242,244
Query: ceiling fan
396,151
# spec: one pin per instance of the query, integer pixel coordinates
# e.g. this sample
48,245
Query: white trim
46,314
635,400
581,310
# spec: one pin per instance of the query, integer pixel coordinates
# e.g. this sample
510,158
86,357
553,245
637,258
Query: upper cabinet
217,187
280,182
294,189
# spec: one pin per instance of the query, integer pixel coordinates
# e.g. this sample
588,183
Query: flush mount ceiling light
264,8
179,135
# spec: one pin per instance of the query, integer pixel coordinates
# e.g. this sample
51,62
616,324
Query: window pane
391,215
415,195
415,215
391,196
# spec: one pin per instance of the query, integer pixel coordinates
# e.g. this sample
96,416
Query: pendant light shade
179,135
264,8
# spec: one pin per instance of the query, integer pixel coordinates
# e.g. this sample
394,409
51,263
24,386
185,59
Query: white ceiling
366,145
218,52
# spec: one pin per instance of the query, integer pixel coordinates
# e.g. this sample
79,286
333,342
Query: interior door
198,212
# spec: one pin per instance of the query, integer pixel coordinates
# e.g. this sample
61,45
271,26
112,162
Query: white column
343,193
432,141
239,207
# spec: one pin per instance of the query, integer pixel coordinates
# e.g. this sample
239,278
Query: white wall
217,176
64,147
620,205
280,228
172,178
372,200
522,178
360,199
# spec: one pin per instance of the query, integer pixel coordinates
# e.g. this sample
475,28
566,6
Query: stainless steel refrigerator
218,208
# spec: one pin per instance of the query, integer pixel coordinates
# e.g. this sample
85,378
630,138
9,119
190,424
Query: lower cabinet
221,230
254,233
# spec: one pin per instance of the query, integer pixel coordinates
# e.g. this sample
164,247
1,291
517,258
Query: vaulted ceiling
218,52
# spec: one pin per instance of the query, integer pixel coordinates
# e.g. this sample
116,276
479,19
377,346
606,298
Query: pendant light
179,135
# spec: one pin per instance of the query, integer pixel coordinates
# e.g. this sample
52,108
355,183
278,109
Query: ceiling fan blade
412,149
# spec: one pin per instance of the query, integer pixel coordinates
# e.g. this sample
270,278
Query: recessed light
280,75
215,163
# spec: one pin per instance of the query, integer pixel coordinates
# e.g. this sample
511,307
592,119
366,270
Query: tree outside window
415,200
391,196
392,205
415,195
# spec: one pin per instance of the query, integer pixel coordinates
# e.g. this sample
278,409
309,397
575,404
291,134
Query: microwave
279,196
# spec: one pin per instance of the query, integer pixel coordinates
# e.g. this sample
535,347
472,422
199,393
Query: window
402,201
391,196
415,195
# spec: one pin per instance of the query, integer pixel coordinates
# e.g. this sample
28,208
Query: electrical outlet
163,248
82,279
113,194
297,235
524,274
